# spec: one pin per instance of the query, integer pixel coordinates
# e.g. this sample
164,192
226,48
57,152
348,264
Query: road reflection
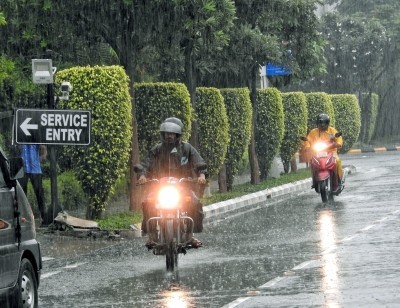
330,279
176,297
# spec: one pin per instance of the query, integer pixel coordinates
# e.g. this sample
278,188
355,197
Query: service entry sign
52,126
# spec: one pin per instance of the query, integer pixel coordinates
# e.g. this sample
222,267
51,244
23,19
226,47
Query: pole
53,156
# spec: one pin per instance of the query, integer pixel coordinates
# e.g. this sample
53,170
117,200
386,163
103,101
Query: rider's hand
142,179
201,179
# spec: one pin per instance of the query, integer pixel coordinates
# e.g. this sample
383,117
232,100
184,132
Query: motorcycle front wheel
171,254
323,191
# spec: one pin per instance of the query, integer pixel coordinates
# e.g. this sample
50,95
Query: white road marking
236,302
74,265
303,265
46,275
271,283
368,227
47,259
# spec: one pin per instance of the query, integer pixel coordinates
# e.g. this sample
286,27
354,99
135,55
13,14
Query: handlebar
181,180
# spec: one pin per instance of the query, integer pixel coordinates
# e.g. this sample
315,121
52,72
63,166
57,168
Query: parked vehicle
324,169
170,230
20,256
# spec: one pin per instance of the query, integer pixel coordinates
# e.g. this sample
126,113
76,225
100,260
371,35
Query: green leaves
212,127
104,91
269,127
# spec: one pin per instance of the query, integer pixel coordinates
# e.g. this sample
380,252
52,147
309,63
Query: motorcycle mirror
338,134
138,168
303,138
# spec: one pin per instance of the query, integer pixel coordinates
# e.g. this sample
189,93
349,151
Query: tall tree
387,14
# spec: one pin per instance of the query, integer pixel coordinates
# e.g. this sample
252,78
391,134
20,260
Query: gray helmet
323,121
169,127
176,121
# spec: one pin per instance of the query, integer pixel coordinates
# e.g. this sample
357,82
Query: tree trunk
254,166
222,179
191,85
293,164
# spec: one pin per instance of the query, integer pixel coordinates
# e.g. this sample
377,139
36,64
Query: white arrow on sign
25,126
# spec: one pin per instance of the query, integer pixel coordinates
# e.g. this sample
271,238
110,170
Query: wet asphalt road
294,253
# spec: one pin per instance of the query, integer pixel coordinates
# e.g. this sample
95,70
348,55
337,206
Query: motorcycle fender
323,175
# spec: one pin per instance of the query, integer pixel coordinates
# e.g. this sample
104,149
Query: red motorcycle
324,171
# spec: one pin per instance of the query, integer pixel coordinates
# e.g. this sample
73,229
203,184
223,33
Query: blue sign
277,70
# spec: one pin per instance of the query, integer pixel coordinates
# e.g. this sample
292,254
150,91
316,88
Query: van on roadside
20,256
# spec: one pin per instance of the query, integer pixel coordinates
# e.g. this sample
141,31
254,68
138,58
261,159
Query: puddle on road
55,246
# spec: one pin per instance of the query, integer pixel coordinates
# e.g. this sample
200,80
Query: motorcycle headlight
168,198
319,146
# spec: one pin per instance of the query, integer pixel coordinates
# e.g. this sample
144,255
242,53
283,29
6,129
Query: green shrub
213,127
318,103
369,112
269,128
239,112
295,111
348,118
105,92
156,102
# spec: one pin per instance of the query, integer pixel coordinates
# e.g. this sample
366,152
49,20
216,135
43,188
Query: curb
266,196
370,149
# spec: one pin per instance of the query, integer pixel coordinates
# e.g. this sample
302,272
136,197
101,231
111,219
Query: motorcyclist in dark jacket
175,158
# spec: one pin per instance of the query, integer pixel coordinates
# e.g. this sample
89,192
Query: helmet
169,127
323,121
175,120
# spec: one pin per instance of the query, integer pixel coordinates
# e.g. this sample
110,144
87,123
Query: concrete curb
266,196
370,149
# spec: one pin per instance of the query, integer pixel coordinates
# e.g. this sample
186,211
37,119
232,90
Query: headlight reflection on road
330,280
176,298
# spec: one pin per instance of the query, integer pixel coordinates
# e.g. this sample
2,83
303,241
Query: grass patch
123,220
119,221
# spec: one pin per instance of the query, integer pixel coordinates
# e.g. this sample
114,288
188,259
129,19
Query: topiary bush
213,127
155,102
239,112
104,90
348,118
269,128
369,112
295,112
318,103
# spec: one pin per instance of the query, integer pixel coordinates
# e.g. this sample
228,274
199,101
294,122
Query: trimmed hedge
369,113
154,103
213,127
295,111
348,118
239,112
269,127
104,90
318,103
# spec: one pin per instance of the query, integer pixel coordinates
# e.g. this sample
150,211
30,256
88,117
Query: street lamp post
43,73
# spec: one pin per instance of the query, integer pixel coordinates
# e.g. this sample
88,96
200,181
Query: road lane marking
46,275
75,265
304,264
236,302
47,259
368,227
272,282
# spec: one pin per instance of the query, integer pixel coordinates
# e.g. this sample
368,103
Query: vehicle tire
323,191
27,286
171,255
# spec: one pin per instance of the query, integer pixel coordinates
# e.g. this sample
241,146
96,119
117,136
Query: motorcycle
171,229
324,171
